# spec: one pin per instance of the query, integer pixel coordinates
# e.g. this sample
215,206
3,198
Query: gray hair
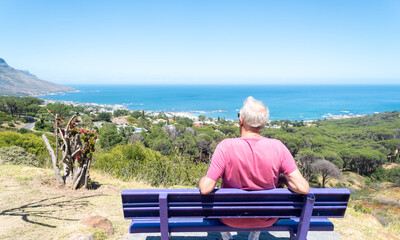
254,114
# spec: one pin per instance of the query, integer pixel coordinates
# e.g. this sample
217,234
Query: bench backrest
279,203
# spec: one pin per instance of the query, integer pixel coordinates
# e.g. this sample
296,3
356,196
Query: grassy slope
33,207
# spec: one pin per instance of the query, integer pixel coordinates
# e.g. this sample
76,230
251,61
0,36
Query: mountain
21,82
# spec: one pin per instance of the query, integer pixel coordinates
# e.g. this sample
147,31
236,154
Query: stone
80,236
99,222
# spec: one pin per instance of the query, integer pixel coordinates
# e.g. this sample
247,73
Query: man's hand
206,185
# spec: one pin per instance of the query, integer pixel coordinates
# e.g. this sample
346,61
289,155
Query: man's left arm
206,185
216,170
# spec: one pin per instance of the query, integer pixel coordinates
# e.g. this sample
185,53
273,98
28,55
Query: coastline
190,114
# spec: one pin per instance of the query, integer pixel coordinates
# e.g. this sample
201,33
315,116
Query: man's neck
249,134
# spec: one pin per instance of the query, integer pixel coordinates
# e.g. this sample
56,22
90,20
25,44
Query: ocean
292,102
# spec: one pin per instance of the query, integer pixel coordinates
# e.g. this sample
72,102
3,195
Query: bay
292,102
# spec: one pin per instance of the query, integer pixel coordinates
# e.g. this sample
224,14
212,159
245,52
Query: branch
69,122
76,152
54,160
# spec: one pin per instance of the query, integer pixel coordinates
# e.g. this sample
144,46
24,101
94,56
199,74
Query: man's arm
206,185
296,182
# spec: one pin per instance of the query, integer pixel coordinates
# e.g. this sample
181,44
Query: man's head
254,114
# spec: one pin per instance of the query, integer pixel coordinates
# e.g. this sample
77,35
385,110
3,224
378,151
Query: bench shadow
45,208
217,236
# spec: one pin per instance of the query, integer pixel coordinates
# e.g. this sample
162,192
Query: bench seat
215,225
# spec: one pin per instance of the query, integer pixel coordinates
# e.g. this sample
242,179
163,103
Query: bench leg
163,199
305,218
292,235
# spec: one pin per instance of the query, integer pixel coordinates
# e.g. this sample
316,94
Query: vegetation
174,151
322,149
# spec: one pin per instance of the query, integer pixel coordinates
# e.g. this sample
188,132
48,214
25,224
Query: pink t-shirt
250,164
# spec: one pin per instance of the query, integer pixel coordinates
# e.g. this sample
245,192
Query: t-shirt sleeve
217,166
287,162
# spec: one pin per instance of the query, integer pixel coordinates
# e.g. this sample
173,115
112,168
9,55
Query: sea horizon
301,102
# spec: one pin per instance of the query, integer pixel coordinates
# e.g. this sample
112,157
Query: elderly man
252,162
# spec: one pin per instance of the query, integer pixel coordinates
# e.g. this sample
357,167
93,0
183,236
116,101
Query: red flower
77,157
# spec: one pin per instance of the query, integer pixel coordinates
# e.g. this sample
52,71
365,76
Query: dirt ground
32,206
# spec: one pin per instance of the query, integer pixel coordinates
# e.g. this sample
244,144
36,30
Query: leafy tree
136,114
131,120
87,121
32,100
109,136
202,118
306,158
104,116
162,145
62,110
203,143
187,122
120,112
12,105
44,125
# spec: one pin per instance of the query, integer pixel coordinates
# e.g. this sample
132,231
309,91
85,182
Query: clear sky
203,41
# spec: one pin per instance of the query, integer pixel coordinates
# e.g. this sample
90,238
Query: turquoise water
293,102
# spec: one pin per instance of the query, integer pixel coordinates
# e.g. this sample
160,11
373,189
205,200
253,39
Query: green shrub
389,175
23,130
30,142
18,155
360,208
138,162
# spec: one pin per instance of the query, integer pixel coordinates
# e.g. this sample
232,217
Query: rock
99,222
80,236
372,219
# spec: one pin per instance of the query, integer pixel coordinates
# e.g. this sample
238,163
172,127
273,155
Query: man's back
250,164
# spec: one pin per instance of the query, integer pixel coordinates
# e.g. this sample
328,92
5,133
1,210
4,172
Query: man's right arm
296,182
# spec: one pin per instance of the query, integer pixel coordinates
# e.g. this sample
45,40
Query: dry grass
356,225
32,206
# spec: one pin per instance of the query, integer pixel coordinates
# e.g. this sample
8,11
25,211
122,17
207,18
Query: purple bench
186,210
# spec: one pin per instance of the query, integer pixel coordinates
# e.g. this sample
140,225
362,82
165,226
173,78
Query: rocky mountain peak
3,63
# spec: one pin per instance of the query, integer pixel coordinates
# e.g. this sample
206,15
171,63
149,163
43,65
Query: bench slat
215,225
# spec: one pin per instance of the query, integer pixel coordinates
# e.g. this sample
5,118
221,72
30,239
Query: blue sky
240,42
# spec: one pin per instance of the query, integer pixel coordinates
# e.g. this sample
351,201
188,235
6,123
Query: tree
120,112
187,122
162,145
202,118
77,147
104,116
326,169
136,114
11,105
109,136
87,121
131,120
306,158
